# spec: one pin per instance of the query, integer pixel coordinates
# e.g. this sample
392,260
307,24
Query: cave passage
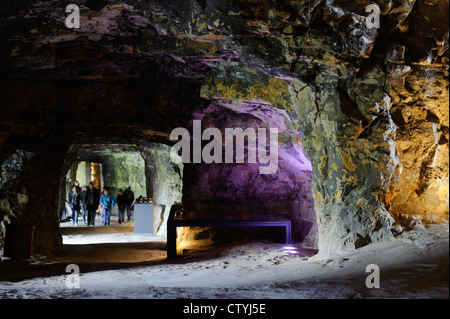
212,192
361,115
114,167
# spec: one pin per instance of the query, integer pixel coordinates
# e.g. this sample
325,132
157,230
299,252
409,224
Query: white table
143,218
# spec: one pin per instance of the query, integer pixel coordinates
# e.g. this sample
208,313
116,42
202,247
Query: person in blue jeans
107,202
74,199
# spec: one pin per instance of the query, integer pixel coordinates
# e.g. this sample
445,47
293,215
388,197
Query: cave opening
221,191
115,166
208,190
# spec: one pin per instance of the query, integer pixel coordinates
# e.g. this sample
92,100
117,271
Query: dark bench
173,223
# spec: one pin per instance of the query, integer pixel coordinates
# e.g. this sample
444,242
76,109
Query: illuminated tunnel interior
275,149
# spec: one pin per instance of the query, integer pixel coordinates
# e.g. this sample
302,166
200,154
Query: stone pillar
349,137
33,192
164,181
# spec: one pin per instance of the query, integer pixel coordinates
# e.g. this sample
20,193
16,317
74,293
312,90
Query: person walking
83,203
120,201
129,200
107,202
74,200
92,200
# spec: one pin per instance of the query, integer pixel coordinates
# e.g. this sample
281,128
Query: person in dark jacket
129,200
121,201
92,200
83,203
77,185
74,200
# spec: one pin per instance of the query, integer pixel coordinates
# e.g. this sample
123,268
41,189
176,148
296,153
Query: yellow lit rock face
348,161
96,175
272,90
422,188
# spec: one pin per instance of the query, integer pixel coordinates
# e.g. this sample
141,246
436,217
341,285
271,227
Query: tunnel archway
139,107
126,111
88,149
285,194
239,191
144,166
84,112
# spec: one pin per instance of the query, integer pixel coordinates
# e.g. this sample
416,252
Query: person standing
92,200
77,185
83,203
120,200
107,202
100,207
129,200
74,200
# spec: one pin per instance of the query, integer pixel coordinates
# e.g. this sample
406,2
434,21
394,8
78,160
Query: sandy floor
125,265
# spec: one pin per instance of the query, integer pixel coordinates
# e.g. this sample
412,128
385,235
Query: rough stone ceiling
261,34
96,152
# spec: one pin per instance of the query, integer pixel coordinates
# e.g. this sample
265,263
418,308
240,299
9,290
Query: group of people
88,201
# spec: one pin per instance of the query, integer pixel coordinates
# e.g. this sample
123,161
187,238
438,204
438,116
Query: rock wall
122,169
30,192
420,95
164,182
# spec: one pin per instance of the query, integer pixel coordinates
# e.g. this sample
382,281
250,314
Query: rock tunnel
361,113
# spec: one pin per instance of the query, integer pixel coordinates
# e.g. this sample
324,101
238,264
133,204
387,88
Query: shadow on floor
107,256
92,257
